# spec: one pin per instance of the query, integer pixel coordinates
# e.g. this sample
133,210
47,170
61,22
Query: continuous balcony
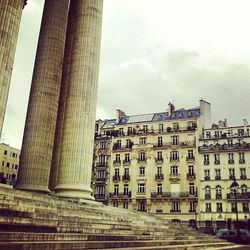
224,147
191,176
173,195
241,196
159,177
125,195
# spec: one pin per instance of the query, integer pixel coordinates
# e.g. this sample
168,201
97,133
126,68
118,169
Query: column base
33,189
74,191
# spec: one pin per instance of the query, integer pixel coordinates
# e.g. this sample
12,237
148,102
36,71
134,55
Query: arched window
218,189
207,190
244,189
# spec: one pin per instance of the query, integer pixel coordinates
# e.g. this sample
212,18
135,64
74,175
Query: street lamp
234,187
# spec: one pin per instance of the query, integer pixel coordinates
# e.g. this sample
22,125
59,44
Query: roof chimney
119,114
171,108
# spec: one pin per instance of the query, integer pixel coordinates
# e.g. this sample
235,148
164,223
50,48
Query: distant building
224,156
149,162
9,161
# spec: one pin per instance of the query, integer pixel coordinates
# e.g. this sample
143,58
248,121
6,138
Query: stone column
74,174
63,96
41,116
10,18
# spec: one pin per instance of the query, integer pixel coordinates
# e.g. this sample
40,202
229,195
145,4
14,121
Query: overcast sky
153,52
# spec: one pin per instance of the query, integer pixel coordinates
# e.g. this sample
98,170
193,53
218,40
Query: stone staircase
36,221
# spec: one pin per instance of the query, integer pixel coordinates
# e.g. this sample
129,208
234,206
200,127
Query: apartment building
9,160
224,156
149,162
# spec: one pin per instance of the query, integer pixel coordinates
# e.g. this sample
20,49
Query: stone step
129,245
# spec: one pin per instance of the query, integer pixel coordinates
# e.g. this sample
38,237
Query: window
127,157
126,172
101,174
159,155
230,157
125,205
115,204
16,166
159,141
243,189
142,140
118,144
13,165
175,126
242,173
159,189
190,154
2,163
217,174
218,192
116,189
161,128
245,207
231,173
190,170
241,156
191,188
103,160
230,132
233,207
174,155
130,131
141,188
207,174
208,134
206,159
141,170
129,143
159,171
8,165
219,207
103,145
230,143
174,170
240,132
100,189
175,140
216,134
208,207
125,189
117,158
192,206
175,206
207,190
121,131
216,158
5,152
145,128
142,156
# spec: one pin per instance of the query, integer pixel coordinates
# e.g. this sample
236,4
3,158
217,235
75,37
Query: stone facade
10,18
149,162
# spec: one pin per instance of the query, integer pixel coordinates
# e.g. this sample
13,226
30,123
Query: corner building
149,162
224,155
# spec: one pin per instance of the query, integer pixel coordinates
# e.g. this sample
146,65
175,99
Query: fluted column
74,174
63,96
10,18
36,153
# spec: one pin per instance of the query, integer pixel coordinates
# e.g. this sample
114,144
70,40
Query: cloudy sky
153,52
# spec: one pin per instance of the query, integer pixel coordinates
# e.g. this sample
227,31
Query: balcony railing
208,210
116,178
140,160
231,161
126,177
120,195
159,160
191,176
216,162
126,147
117,162
173,195
245,209
218,196
174,159
190,158
174,176
217,177
231,177
159,177
101,179
100,196
238,195
218,147
206,162
242,161
126,162
101,164
207,196
207,178
243,177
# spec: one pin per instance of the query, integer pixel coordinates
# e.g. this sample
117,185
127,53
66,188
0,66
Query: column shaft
63,96
10,18
41,116
74,174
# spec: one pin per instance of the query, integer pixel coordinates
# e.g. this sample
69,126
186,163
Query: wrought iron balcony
208,210
172,159
126,162
218,196
207,178
126,177
101,179
217,177
191,176
232,177
159,177
174,177
242,161
243,177
231,161
173,195
101,164
206,162
231,196
225,147
159,160
125,195
216,162
100,196
116,178
117,162
141,160
188,158
207,196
